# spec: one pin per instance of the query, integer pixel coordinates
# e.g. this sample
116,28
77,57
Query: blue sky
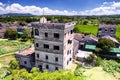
67,7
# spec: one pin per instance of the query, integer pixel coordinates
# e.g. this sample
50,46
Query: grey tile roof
111,38
106,25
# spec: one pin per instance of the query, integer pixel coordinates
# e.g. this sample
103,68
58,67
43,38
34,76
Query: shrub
98,61
111,66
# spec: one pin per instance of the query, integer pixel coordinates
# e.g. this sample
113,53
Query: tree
26,35
105,44
11,33
13,64
91,58
45,75
34,69
22,23
98,61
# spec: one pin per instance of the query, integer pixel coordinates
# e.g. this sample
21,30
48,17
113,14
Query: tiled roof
106,25
111,38
76,42
78,36
88,37
27,51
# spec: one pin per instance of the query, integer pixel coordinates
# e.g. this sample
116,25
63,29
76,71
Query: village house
106,29
26,57
55,45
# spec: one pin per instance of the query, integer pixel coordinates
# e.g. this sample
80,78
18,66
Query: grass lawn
97,73
87,29
118,31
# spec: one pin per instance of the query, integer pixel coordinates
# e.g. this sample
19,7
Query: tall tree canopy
11,33
105,44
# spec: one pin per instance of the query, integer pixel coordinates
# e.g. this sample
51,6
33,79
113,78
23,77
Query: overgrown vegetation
35,74
11,34
105,44
12,46
111,66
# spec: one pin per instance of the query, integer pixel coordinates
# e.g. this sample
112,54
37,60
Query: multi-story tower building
106,30
53,44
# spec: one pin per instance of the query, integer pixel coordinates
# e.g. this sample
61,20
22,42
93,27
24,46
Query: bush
98,61
78,72
13,64
111,66
91,58
11,34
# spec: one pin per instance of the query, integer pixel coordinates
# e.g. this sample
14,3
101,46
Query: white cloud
106,8
1,3
17,8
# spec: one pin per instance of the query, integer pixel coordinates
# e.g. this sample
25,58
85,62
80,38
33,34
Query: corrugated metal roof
115,50
91,47
20,33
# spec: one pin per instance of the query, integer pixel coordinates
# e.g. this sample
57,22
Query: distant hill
17,14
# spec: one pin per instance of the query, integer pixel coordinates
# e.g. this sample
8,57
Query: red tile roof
27,51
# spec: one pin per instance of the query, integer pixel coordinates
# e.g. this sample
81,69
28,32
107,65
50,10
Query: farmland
7,49
92,29
118,32
11,46
87,29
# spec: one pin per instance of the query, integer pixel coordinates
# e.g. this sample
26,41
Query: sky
61,7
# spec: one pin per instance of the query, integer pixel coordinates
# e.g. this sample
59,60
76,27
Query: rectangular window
36,32
56,59
25,62
46,46
70,51
37,45
111,30
56,35
46,34
67,62
37,55
69,41
100,29
47,66
56,47
46,57
67,52
56,68
71,31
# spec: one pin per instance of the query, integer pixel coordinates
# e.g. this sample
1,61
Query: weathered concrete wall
29,59
64,58
107,31
23,59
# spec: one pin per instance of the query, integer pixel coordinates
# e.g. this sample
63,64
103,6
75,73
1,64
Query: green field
92,29
11,46
118,32
87,29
